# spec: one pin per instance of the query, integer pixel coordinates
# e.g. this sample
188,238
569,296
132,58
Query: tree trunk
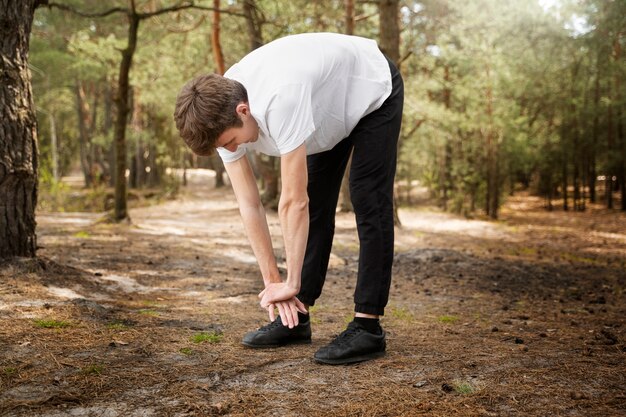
493,189
107,124
564,182
349,16
220,68
218,55
345,201
611,165
389,28
54,146
123,88
621,140
18,133
253,20
82,111
389,32
266,165
594,136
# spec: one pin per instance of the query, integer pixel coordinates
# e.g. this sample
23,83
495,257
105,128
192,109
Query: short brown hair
205,108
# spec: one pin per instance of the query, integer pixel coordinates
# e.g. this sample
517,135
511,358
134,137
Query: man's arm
255,224
293,210
253,216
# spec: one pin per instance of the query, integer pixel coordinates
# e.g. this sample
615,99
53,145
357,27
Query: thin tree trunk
345,201
54,146
82,110
218,57
621,140
121,212
564,182
267,166
349,16
107,125
18,133
253,20
594,136
389,32
493,189
611,166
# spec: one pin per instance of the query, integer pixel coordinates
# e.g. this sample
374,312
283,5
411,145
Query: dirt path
520,317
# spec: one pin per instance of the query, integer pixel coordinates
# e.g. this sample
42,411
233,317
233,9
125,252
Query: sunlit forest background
502,96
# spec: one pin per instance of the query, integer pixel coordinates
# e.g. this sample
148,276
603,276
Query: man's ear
243,109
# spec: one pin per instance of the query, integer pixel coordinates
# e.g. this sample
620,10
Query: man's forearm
294,219
255,223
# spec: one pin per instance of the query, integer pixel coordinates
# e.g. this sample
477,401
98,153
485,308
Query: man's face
231,138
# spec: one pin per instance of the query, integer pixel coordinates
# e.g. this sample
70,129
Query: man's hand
276,291
280,295
288,311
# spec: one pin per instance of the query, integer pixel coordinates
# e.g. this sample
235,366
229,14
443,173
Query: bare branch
187,6
416,126
141,16
83,14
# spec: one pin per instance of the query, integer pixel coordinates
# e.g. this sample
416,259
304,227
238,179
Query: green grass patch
52,324
402,313
579,259
82,234
93,369
9,371
186,351
464,388
447,319
152,303
315,309
148,312
210,337
118,325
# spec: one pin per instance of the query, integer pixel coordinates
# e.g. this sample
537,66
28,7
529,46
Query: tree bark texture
220,68
345,201
121,211
389,33
18,132
390,29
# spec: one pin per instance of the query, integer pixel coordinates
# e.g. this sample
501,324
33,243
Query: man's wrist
293,283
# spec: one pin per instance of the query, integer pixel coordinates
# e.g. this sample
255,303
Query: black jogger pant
374,144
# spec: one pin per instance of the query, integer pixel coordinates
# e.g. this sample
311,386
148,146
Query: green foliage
498,93
402,313
51,323
464,388
186,351
210,337
93,369
9,371
117,326
447,319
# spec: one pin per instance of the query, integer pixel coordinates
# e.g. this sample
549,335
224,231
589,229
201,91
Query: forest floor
521,317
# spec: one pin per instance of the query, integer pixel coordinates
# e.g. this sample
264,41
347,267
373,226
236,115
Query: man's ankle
372,325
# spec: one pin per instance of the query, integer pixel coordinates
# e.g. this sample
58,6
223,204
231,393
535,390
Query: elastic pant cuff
309,301
369,309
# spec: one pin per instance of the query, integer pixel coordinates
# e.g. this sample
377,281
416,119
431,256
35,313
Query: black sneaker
275,334
355,344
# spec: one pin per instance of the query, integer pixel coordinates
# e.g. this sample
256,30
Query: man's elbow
298,204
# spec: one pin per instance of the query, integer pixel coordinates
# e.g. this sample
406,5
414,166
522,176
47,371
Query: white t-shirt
313,88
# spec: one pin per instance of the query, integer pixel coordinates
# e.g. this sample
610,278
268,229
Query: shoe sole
295,342
347,361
